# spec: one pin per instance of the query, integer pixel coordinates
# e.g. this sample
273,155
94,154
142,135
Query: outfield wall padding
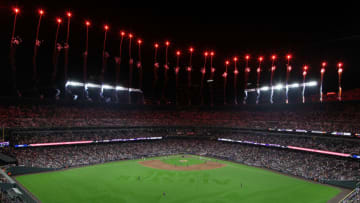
344,184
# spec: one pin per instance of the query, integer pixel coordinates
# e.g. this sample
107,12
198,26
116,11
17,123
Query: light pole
322,71
225,79
56,52
177,69
288,70
104,56
131,61
203,71
155,70
166,68
36,45
87,24
305,69
13,44
258,71
340,70
212,72
66,46
139,65
246,77
189,69
273,68
236,72
118,62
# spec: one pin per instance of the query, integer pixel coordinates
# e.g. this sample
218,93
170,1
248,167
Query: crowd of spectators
314,142
5,197
332,118
6,194
345,118
307,165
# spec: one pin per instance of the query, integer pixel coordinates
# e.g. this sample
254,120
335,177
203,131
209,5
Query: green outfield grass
118,182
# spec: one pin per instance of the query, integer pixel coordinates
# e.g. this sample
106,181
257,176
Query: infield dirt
158,164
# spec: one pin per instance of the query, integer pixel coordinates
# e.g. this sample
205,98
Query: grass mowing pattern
117,182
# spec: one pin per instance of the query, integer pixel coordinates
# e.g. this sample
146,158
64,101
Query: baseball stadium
207,159
101,103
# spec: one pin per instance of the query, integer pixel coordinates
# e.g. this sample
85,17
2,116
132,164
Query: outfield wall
21,170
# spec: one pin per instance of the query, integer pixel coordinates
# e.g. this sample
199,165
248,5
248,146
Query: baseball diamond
222,182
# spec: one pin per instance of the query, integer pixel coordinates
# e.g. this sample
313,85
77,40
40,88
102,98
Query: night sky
311,33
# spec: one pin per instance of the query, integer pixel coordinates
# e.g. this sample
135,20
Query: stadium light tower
104,57
191,50
156,64
247,57
225,79
288,70
139,65
119,60
13,44
56,51
104,60
340,71
156,46
167,43
322,72
155,70
305,70
131,62
177,69
212,69
189,69
130,40
166,68
236,72
212,72
203,71
87,24
273,68
86,53
66,47
258,70
139,42
246,77
36,46
16,12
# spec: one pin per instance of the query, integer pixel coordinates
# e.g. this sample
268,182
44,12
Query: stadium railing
12,185
352,197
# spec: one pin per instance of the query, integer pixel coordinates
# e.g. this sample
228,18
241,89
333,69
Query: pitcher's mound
161,165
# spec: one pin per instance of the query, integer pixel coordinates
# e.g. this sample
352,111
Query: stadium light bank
281,86
103,86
